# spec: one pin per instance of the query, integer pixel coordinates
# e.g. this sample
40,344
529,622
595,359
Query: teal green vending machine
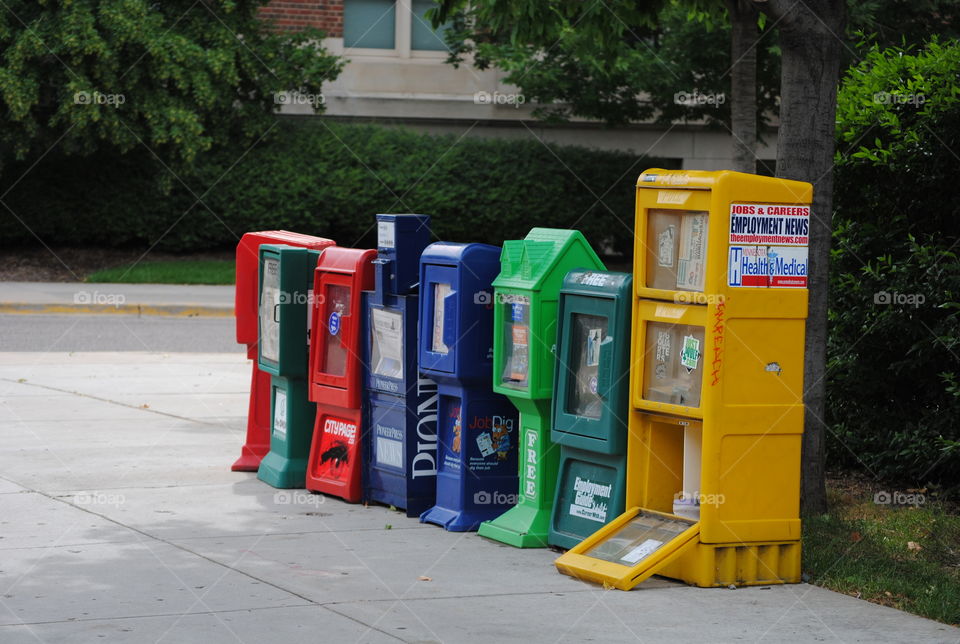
590,404
286,292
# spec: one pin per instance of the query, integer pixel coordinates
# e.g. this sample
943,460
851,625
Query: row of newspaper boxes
646,423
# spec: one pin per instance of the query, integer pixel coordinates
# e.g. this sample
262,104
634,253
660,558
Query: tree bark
810,34
743,84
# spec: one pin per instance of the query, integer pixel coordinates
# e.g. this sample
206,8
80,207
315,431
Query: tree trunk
743,84
810,44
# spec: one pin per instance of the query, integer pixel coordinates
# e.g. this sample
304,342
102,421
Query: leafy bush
178,76
331,180
893,397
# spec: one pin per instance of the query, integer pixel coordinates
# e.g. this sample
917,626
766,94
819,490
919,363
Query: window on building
398,25
369,24
422,35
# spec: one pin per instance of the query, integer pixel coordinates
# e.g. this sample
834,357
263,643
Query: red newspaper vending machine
245,309
341,276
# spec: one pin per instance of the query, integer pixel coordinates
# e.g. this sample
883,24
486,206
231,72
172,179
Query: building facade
396,75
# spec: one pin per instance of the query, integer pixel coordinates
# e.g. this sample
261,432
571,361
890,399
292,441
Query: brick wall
294,15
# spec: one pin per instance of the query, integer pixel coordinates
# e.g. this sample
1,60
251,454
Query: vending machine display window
386,347
673,363
644,535
269,320
440,293
676,249
587,333
516,363
335,350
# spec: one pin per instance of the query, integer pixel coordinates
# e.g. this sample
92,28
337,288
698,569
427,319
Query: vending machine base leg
456,521
250,458
283,473
524,526
258,423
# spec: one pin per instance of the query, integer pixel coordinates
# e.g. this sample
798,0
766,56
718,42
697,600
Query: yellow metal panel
762,359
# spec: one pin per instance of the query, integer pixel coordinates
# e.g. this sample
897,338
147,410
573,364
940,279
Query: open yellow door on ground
633,547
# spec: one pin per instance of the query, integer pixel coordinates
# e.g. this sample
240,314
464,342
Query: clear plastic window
673,360
676,249
269,299
516,342
335,350
440,293
637,540
386,347
586,334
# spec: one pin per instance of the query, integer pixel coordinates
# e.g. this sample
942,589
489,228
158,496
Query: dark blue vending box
477,457
400,406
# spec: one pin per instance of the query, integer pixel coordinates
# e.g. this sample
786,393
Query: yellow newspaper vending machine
716,385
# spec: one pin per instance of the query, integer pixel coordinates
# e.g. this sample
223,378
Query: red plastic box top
248,257
340,278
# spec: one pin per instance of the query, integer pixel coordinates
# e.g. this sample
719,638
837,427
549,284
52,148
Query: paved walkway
136,299
120,521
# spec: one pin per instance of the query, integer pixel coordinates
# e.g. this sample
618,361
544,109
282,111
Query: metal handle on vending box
276,313
449,317
605,368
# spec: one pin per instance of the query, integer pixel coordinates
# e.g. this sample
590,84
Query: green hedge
894,354
330,180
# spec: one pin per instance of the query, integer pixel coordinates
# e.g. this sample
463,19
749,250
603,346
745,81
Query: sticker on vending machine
665,243
520,357
336,446
693,252
485,443
280,413
690,357
594,338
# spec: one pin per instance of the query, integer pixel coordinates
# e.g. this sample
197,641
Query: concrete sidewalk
130,299
120,521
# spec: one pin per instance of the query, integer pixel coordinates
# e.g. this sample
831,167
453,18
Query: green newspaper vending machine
524,345
286,288
591,403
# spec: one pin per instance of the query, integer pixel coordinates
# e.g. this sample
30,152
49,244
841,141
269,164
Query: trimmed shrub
330,180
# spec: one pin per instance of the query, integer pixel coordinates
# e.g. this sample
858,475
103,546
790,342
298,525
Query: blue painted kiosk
477,455
400,406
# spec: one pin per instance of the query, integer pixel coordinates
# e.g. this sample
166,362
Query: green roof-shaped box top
525,313
543,258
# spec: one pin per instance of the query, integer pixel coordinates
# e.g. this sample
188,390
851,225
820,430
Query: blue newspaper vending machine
477,428
400,406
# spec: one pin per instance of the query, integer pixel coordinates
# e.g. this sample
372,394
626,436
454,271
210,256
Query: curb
168,310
